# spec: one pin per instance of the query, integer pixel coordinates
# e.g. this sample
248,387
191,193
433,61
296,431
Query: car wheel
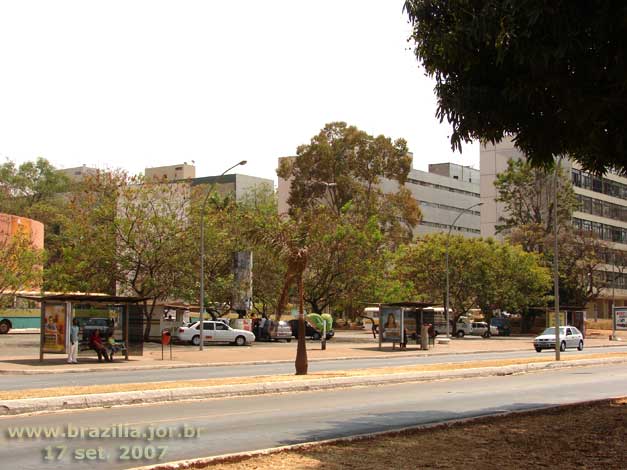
580,346
240,341
196,340
289,340
460,334
316,336
4,327
563,346
538,349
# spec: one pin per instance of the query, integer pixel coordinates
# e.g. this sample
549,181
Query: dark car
502,324
310,331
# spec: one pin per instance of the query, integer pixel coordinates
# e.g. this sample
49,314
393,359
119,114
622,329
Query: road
20,382
233,425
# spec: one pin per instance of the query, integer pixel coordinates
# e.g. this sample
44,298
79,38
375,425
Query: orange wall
11,224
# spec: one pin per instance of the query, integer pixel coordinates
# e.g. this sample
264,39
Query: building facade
602,211
181,171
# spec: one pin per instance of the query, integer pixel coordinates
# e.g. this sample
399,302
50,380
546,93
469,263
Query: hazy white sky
143,83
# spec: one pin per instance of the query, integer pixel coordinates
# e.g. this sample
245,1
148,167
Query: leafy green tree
131,234
552,74
259,208
355,164
483,274
38,191
20,263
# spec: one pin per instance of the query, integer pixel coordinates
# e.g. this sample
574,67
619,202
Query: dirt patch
588,436
135,387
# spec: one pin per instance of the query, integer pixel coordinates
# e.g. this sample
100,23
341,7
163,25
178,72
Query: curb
73,402
189,365
241,456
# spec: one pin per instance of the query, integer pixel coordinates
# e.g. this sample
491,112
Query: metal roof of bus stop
78,297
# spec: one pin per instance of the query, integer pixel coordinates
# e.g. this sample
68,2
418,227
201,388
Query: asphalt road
20,382
233,425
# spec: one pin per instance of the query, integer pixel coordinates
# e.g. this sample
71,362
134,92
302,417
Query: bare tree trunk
289,278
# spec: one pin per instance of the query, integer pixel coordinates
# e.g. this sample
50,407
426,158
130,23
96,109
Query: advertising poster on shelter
620,314
54,328
391,324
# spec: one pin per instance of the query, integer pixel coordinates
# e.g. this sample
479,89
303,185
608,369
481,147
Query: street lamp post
448,236
202,252
556,279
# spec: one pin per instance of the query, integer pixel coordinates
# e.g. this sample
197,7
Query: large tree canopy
551,74
343,168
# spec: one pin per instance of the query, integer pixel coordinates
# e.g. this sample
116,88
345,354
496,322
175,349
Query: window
221,326
208,326
598,184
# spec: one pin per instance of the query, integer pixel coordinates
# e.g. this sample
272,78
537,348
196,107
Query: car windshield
551,331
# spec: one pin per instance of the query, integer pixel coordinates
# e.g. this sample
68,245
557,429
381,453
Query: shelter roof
77,297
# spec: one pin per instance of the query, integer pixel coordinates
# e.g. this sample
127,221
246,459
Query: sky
138,83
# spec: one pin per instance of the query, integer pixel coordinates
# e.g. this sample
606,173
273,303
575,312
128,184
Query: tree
132,233
20,263
527,194
355,163
38,191
552,74
259,208
483,273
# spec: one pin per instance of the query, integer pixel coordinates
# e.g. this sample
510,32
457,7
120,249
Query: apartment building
602,211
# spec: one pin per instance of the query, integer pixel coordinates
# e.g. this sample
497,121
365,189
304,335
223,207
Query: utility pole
556,281
448,236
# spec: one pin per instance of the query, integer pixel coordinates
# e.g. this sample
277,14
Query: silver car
570,337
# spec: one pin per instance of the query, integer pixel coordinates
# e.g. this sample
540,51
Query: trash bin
166,337
424,336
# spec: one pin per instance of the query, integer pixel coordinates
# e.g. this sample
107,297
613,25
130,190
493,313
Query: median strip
140,387
132,394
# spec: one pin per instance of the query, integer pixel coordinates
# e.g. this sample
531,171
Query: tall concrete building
602,211
442,193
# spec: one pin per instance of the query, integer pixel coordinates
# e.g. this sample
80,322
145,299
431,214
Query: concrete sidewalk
355,345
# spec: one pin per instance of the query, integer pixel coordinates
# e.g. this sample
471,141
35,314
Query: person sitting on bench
95,341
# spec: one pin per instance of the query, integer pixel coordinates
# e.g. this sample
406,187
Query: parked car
502,325
214,331
273,331
475,328
310,331
570,337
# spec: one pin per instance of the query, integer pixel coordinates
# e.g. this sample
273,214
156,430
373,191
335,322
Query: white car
214,331
476,328
570,337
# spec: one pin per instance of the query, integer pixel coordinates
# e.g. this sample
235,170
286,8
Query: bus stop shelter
399,319
120,315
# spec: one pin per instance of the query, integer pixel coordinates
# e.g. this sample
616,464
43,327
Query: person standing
71,358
